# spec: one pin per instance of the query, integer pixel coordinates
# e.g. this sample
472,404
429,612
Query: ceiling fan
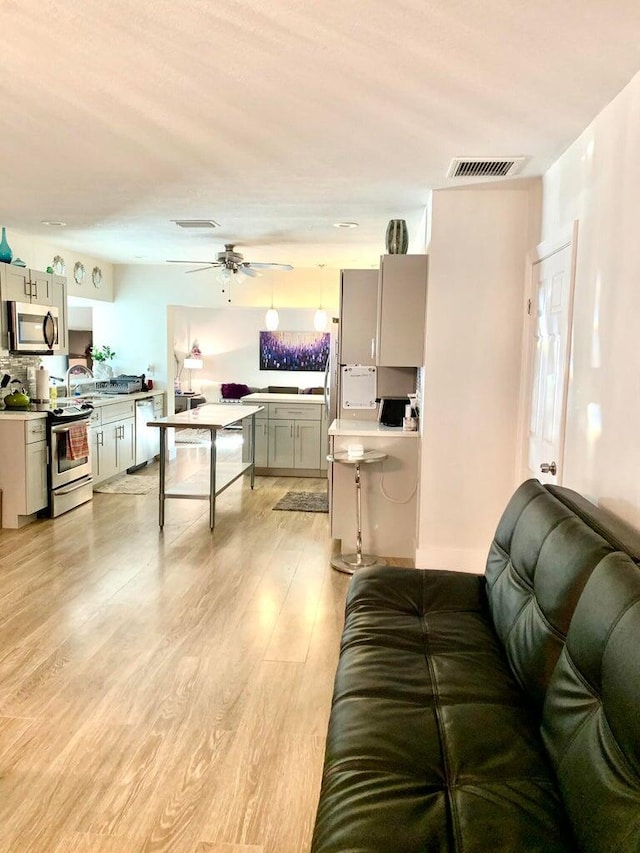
233,262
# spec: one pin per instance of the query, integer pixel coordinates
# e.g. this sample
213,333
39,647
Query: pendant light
320,318
271,318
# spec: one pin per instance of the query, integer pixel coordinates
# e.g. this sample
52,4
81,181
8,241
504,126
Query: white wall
475,302
228,339
597,181
138,325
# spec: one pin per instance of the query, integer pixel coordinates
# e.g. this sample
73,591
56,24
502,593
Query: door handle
549,468
373,347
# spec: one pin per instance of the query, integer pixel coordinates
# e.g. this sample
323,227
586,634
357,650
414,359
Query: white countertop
18,415
96,402
266,397
345,426
212,415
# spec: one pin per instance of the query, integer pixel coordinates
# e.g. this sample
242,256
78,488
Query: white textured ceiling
278,118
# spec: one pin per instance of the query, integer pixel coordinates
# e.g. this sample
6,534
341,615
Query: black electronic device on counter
391,411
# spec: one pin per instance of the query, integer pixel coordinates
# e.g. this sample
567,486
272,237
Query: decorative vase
397,237
5,249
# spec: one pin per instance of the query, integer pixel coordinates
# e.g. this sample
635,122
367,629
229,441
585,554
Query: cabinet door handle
291,430
100,437
373,347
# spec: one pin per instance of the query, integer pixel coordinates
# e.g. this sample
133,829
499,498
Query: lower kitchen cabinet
289,437
23,474
113,439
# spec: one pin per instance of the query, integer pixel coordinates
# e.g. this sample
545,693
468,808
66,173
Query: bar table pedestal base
350,563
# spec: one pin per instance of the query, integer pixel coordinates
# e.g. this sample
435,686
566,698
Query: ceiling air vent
484,167
196,223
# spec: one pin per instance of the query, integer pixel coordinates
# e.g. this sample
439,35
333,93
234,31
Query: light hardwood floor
167,691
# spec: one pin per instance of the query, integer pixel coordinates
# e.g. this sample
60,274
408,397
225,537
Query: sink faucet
76,370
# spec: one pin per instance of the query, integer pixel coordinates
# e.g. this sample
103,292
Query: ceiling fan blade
245,269
272,266
189,262
199,269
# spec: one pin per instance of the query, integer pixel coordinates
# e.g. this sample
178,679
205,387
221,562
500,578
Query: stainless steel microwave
33,328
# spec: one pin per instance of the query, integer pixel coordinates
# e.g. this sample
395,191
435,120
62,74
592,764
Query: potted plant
101,356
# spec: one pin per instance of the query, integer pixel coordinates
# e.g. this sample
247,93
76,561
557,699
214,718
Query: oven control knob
57,411
86,406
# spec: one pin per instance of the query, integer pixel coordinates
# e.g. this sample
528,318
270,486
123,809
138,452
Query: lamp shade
193,363
320,320
272,319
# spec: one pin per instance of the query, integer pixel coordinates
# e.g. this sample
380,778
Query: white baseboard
454,559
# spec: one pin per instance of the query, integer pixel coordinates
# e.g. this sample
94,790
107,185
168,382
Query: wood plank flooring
167,691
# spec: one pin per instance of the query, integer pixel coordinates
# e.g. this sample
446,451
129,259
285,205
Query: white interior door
553,275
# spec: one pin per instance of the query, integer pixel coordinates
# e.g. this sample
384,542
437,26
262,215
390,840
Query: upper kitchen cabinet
402,302
59,300
382,313
358,316
18,284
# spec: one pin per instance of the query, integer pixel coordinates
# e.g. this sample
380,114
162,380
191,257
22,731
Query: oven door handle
64,429
77,484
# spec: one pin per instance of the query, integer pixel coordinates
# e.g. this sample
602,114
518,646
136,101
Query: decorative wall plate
58,265
78,272
96,277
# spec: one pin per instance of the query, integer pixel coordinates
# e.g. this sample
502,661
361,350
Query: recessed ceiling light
53,223
345,224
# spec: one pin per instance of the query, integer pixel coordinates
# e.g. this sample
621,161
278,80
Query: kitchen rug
304,502
131,484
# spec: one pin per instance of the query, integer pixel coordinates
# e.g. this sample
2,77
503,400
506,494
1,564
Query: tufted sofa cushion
538,564
591,717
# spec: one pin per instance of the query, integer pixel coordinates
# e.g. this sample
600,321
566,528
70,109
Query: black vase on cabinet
397,238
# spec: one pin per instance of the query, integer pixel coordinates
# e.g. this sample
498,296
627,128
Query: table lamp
190,364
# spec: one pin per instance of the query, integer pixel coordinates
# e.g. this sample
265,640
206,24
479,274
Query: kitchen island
389,489
290,436
212,417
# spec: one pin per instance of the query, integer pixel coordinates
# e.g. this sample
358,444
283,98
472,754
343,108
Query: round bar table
349,563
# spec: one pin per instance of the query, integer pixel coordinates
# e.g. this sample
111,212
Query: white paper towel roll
42,384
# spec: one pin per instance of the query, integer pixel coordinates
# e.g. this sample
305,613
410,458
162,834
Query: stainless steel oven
70,480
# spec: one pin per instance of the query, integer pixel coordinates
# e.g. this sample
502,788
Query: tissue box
355,451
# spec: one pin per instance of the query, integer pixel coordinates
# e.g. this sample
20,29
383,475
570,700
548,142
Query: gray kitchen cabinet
358,316
37,494
262,441
59,300
281,444
402,304
383,313
289,435
23,474
20,284
306,444
113,433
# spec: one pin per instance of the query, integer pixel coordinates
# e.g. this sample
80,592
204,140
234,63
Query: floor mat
304,502
131,484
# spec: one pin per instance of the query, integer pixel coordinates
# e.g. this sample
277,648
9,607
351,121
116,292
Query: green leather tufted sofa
492,713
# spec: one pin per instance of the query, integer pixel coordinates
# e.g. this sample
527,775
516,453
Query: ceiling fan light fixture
272,319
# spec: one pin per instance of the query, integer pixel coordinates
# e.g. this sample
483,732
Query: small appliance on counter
391,411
